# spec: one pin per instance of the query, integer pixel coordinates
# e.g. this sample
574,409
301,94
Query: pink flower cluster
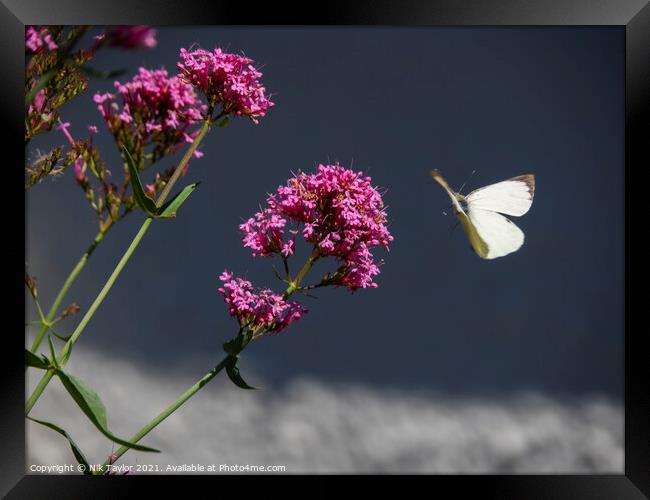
226,79
154,107
130,37
259,310
335,209
39,39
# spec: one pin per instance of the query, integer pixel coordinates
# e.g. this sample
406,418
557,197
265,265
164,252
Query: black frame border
634,15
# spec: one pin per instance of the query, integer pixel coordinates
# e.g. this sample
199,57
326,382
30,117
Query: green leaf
169,209
66,356
143,201
103,75
223,121
61,337
40,84
237,344
232,369
52,351
32,359
75,449
92,406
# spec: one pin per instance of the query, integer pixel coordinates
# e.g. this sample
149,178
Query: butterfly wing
475,240
511,197
500,235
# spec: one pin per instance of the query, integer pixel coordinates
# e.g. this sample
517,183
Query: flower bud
30,283
71,310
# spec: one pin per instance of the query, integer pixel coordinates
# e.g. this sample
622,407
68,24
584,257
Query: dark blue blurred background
395,103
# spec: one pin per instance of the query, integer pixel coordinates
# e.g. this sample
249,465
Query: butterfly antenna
453,228
470,176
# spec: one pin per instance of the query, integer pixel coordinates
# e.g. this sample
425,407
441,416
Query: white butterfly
491,234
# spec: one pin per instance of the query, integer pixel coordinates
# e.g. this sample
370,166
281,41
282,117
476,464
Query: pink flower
335,209
259,310
287,248
130,37
228,80
39,100
38,39
263,232
360,269
153,108
37,107
80,170
79,163
63,127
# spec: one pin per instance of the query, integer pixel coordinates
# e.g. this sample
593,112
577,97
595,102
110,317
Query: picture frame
633,15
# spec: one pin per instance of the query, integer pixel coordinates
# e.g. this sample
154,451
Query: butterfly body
490,233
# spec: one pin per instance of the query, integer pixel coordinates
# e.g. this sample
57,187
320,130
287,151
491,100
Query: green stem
61,357
208,376
186,158
64,289
102,294
64,352
40,312
38,391
293,286
169,410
